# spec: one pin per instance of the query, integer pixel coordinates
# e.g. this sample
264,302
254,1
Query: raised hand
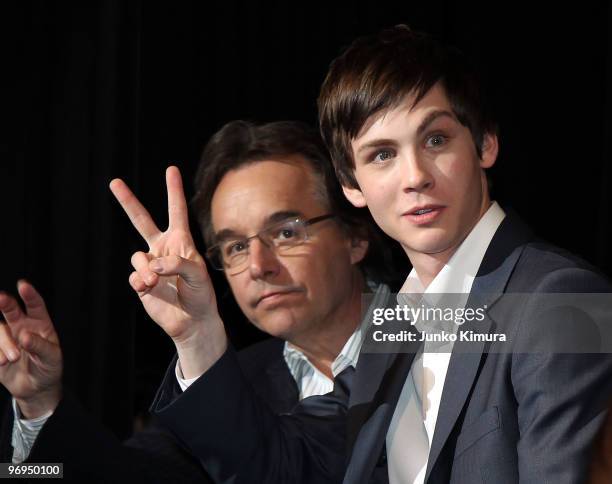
30,354
171,278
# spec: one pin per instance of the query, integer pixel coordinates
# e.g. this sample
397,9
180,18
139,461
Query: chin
278,325
429,243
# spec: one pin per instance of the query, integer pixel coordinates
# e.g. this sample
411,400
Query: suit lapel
462,371
372,402
378,382
490,282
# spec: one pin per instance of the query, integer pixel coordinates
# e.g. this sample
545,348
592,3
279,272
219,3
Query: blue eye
435,141
382,155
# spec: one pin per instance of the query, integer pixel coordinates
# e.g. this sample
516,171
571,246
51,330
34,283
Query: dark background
104,89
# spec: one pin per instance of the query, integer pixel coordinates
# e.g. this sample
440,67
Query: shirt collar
459,272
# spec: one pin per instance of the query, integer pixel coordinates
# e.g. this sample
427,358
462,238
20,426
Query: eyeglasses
234,253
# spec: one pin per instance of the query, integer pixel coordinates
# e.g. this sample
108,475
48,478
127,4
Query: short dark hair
377,72
239,143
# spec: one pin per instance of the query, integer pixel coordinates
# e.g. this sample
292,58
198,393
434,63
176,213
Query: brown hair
377,72
239,143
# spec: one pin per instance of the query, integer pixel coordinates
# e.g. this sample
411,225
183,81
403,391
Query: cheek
374,185
383,202
379,198
460,170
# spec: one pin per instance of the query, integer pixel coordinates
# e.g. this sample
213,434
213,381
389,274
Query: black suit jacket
92,454
522,416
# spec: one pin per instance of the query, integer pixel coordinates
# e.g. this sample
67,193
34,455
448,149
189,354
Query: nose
263,262
415,174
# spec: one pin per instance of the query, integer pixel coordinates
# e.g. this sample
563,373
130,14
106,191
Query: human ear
354,196
490,149
359,249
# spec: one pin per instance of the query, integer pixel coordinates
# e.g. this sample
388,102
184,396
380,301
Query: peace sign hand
172,281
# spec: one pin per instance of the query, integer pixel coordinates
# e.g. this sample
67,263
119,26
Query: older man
295,255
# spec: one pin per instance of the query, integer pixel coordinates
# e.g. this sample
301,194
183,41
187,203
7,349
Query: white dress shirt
412,427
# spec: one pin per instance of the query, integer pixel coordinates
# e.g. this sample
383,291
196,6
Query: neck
327,339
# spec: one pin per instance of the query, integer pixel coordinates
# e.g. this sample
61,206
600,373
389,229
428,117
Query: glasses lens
285,234
233,253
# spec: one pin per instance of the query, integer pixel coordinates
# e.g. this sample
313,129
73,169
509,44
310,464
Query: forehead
406,115
246,197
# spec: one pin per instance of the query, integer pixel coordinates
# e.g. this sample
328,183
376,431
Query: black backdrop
102,89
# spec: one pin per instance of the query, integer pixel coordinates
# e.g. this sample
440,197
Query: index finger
178,217
34,302
9,307
138,215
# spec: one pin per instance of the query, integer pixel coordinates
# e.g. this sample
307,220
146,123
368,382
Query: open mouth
424,215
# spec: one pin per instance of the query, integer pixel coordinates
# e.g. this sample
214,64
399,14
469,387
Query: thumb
47,351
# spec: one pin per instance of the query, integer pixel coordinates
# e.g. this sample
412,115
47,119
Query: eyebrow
271,219
375,143
429,119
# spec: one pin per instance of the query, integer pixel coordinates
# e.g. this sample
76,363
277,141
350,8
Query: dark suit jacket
92,454
521,416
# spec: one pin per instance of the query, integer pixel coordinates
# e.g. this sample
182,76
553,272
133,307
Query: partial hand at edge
30,353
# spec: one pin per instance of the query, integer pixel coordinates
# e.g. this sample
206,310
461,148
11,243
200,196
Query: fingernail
13,355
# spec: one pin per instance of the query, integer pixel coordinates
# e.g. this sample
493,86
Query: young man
411,136
294,253
413,147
